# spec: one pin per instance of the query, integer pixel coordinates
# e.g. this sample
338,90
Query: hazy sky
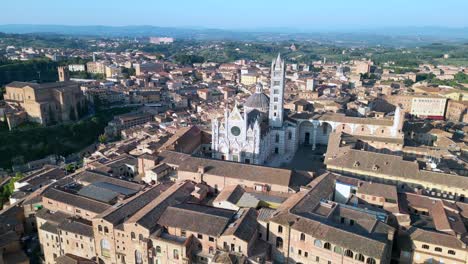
239,14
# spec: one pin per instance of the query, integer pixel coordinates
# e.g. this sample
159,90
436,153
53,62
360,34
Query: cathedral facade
260,132
253,134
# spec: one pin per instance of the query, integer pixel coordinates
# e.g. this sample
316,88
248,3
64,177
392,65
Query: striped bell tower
277,92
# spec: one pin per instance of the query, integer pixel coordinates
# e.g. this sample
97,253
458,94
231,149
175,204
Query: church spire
277,63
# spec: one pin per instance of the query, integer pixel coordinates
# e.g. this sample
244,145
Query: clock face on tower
235,131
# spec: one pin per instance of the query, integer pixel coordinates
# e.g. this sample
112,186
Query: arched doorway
306,133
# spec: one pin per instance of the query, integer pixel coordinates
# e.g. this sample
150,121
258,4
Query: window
438,249
99,228
106,230
349,253
275,99
211,239
306,254
276,83
299,252
275,91
132,235
451,252
360,257
279,242
176,254
338,250
211,250
317,259
327,246
105,248
303,237
289,135
280,229
138,257
425,246
370,261
318,243
199,236
140,237
158,249
183,233
277,138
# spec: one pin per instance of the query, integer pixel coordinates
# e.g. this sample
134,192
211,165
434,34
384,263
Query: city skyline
244,15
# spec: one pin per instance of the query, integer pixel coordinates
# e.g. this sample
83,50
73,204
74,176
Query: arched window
140,237
280,229
158,249
438,249
425,246
451,252
360,257
99,228
348,253
138,257
302,237
327,246
318,243
370,261
176,254
106,230
324,128
279,242
105,248
338,250
132,235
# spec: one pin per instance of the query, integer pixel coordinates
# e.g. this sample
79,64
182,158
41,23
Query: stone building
457,111
46,103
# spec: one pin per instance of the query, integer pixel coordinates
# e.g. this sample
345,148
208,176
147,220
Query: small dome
258,100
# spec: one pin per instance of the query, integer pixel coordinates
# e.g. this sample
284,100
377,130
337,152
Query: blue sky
240,14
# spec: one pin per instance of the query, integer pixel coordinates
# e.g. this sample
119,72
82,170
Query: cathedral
260,132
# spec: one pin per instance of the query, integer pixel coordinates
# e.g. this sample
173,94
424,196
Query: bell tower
277,92
64,74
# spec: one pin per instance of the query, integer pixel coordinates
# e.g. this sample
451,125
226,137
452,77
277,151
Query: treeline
35,142
41,70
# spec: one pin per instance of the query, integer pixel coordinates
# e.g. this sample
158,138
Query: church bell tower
277,92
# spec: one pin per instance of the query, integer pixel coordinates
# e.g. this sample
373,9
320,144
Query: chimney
201,169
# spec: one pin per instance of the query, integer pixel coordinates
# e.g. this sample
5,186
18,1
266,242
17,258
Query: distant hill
384,36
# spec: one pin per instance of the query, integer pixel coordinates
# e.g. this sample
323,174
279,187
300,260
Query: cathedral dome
258,100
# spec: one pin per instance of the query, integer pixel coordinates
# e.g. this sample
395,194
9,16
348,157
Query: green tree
102,138
408,82
70,168
461,77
